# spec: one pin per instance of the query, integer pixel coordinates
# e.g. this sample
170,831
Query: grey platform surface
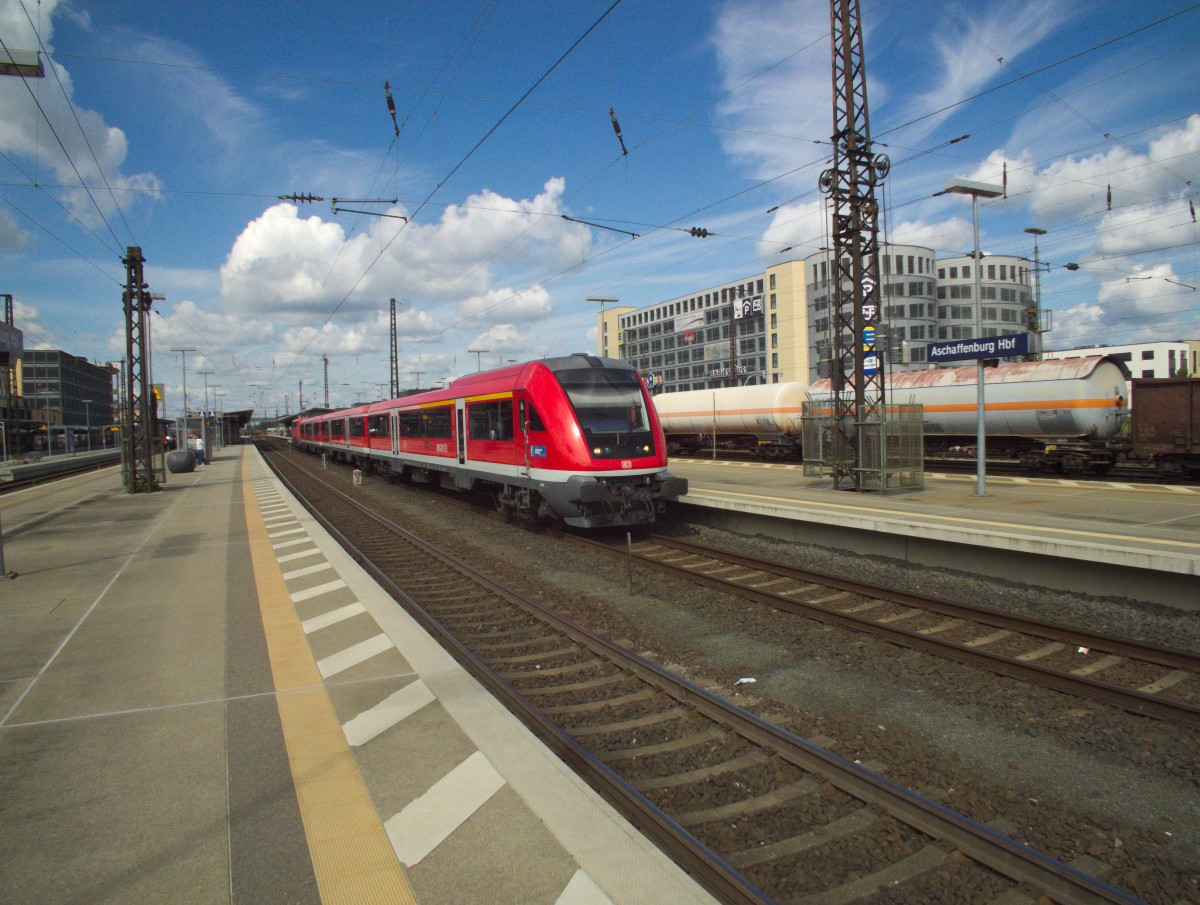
142,757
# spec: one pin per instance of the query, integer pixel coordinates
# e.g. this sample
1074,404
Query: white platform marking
387,713
333,617
352,656
426,822
582,890
320,589
290,557
275,534
307,570
291,543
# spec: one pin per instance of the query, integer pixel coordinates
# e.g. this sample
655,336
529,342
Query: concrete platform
203,699
1105,538
42,466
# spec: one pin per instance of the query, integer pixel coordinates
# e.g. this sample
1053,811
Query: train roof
497,380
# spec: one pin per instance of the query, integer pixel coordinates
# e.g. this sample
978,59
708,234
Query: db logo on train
626,463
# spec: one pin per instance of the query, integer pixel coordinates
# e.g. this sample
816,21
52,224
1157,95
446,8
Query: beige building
750,330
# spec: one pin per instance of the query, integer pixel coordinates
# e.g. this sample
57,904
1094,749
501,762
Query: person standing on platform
199,450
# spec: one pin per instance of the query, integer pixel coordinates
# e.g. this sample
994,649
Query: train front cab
610,446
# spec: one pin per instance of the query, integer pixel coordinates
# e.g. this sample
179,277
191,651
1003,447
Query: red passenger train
575,438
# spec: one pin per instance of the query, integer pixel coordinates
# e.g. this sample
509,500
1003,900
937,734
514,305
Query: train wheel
1074,465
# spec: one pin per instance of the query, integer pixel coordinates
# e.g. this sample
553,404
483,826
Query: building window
1147,355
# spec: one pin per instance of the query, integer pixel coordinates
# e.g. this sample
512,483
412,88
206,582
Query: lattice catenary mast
850,183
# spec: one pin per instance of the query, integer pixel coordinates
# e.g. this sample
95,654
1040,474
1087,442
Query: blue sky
176,127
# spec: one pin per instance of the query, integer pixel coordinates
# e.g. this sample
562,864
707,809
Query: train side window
358,427
377,425
337,428
432,424
490,420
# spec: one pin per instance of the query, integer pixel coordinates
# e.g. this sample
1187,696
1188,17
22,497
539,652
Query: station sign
981,347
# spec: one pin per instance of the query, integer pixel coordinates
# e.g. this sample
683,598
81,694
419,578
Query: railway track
754,813
1141,678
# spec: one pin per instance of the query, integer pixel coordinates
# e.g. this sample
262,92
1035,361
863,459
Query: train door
395,417
523,435
460,409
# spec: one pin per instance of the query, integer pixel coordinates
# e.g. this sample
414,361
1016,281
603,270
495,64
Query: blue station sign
981,347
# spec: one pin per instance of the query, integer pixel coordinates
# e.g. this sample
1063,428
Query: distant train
574,438
1065,415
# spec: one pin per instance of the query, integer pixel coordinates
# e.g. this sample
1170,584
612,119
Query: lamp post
1034,317
204,415
220,404
218,427
978,190
181,436
87,420
601,334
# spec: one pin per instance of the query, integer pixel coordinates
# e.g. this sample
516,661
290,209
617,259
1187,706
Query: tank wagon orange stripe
699,413
1028,406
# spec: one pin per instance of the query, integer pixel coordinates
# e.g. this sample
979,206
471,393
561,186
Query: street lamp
217,402
181,437
218,427
977,190
602,334
87,420
204,415
1034,317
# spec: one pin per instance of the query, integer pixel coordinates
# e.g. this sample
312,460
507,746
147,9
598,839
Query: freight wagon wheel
1074,465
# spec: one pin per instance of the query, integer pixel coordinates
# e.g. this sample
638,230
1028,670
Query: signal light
701,233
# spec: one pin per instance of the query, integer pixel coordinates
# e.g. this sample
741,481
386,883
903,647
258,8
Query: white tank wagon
1058,414
764,418
1066,398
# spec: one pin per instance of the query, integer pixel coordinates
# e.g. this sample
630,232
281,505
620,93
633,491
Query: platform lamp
181,436
977,190
1034,318
602,336
204,415
218,423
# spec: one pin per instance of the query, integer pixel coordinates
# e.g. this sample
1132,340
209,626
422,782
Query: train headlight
596,451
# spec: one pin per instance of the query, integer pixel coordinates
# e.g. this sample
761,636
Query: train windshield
611,411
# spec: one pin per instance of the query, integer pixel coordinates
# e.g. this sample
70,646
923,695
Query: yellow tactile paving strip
352,857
